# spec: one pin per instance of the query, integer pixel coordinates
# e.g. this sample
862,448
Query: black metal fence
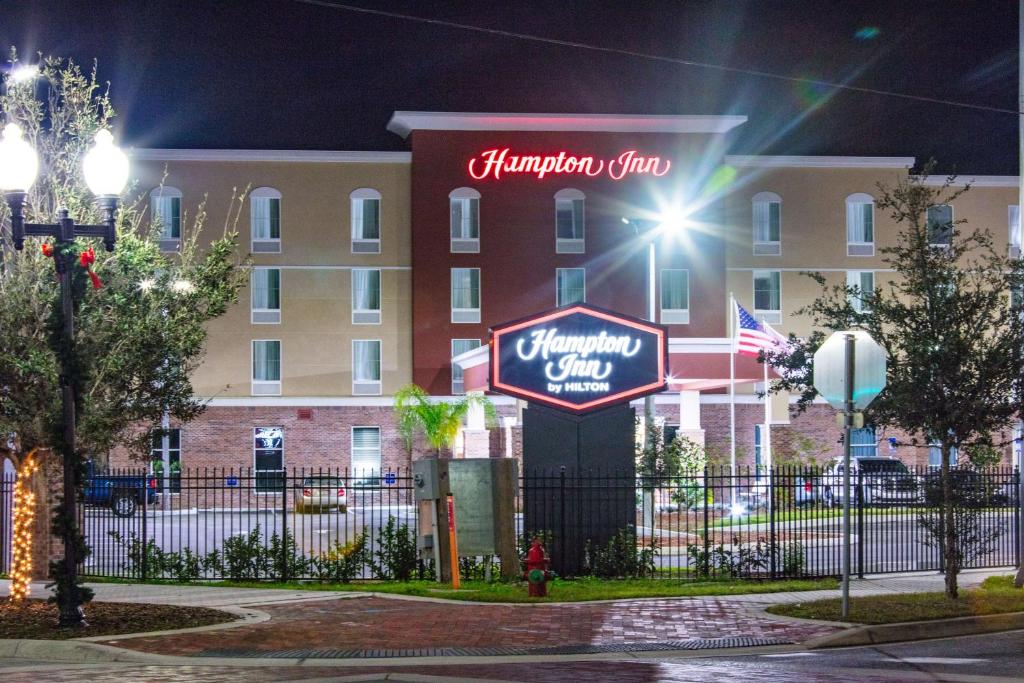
785,523
6,519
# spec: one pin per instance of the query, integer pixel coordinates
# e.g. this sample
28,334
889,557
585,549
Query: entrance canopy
695,364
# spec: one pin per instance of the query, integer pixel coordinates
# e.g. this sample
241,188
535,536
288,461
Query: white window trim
267,312
374,387
180,449
1014,251
269,245
767,247
366,314
253,382
167,192
352,448
851,247
557,271
365,193
467,312
255,471
769,316
850,276
465,245
674,316
952,226
462,389
574,245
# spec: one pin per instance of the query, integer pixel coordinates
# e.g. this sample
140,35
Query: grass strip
559,590
996,596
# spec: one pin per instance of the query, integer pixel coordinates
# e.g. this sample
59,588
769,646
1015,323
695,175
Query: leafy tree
137,339
955,343
439,421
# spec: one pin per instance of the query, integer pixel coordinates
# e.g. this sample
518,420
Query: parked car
970,489
881,481
122,493
321,492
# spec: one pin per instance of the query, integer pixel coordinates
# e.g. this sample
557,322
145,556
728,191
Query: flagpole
732,396
766,447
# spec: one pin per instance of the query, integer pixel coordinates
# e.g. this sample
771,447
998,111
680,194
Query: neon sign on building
495,163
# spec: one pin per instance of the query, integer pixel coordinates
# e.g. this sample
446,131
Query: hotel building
375,269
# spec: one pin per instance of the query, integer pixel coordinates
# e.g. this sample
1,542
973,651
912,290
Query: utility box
484,492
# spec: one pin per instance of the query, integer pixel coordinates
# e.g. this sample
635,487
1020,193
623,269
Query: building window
365,221
863,443
172,469
266,295
860,225
1013,220
366,464
768,295
365,296
464,203
465,295
570,286
675,297
767,224
758,450
266,367
939,219
862,282
268,457
265,206
935,456
569,230
366,367
459,347
165,209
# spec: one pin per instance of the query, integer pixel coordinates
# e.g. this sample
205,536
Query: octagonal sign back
579,358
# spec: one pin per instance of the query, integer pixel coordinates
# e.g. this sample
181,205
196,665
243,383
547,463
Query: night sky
287,74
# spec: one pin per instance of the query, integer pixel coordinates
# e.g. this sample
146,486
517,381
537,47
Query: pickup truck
122,493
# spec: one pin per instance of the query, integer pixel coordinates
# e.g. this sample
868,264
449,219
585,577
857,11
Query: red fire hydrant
537,574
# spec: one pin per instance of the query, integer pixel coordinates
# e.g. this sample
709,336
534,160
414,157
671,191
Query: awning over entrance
695,364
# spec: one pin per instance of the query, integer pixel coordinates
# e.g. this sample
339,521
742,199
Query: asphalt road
990,658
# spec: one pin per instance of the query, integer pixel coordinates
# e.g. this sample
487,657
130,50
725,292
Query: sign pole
848,422
452,543
733,313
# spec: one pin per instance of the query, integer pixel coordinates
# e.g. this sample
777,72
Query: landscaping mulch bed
37,619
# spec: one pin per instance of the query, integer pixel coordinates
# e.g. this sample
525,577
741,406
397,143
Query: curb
71,651
917,630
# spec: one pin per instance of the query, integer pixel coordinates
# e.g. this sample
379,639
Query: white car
881,481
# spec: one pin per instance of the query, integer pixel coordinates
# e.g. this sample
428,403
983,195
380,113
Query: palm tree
438,420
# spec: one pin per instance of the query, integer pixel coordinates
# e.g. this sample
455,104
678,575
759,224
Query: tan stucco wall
316,331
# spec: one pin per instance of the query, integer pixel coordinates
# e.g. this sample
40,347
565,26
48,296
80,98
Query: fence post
561,519
284,525
145,532
1016,517
860,525
707,541
772,541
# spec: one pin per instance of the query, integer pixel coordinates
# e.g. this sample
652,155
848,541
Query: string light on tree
24,518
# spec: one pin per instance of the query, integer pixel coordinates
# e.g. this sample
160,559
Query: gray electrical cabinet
484,492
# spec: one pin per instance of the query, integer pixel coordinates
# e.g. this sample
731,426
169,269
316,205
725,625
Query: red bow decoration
47,250
87,258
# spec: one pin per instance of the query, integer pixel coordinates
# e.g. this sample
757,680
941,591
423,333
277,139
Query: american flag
752,336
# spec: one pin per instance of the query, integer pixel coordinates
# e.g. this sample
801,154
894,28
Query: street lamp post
106,171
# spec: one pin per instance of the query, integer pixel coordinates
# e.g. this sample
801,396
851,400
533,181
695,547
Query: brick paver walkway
387,623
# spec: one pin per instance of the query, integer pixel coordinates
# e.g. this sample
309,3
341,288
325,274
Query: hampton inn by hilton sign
578,358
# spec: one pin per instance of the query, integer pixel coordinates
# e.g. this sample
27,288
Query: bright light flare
182,286
147,284
24,73
737,509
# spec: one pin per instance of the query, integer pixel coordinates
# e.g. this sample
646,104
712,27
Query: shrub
395,556
284,559
180,566
242,557
342,562
735,561
621,558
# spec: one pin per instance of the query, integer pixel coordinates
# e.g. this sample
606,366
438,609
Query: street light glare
24,73
18,161
672,222
105,166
